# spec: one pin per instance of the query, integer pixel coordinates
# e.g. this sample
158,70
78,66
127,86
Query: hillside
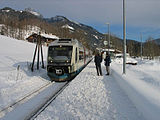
86,34
17,23
21,24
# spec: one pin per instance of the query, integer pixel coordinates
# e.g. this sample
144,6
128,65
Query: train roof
64,42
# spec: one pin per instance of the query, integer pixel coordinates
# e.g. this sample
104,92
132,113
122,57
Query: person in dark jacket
98,60
107,63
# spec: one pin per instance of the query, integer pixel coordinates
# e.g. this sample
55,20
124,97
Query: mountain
26,21
92,35
11,13
56,19
22,24
58,25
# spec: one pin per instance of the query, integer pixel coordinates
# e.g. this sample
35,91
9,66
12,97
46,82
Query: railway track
48,102
11,106
32,108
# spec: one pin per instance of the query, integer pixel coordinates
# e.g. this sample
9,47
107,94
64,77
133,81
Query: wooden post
42,57
38,58
34,58
39,47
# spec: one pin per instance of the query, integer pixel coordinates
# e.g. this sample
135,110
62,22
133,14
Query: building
112,52
46,39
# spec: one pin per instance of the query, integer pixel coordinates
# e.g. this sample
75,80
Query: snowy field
16,84
133,96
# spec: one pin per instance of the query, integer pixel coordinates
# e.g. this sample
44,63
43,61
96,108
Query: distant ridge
16,23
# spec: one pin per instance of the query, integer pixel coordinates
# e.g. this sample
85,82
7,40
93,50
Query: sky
142,16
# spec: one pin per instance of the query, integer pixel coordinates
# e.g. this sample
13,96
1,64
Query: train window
81,55
59,53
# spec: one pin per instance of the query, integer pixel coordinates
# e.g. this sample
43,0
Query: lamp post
108,37
141,45
124,38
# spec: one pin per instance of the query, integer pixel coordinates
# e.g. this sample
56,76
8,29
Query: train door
76,56
76,59
84,55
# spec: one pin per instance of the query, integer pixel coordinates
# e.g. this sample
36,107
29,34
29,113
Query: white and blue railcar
66,58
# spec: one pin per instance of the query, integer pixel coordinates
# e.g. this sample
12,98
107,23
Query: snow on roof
120,54
112,50
49,36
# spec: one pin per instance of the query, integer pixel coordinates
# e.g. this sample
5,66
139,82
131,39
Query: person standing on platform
107,63
98,60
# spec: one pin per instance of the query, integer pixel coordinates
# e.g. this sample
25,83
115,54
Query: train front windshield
59,54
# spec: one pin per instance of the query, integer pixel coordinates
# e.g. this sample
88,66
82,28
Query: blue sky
142,16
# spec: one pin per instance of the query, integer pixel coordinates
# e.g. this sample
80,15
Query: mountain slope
90,34
58,25
17,24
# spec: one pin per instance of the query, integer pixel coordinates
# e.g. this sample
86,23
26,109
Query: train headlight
51,61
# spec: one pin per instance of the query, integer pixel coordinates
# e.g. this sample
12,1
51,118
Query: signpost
105,42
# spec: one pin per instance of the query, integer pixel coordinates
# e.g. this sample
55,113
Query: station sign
105,42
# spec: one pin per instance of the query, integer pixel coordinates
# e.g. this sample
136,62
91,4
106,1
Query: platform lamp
108,37
124,38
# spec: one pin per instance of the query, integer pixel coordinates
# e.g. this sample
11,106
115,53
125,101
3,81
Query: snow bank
145,97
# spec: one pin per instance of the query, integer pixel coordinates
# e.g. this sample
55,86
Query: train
66,58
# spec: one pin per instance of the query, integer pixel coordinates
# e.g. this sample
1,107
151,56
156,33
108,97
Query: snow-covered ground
92,97
16,84
131,96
